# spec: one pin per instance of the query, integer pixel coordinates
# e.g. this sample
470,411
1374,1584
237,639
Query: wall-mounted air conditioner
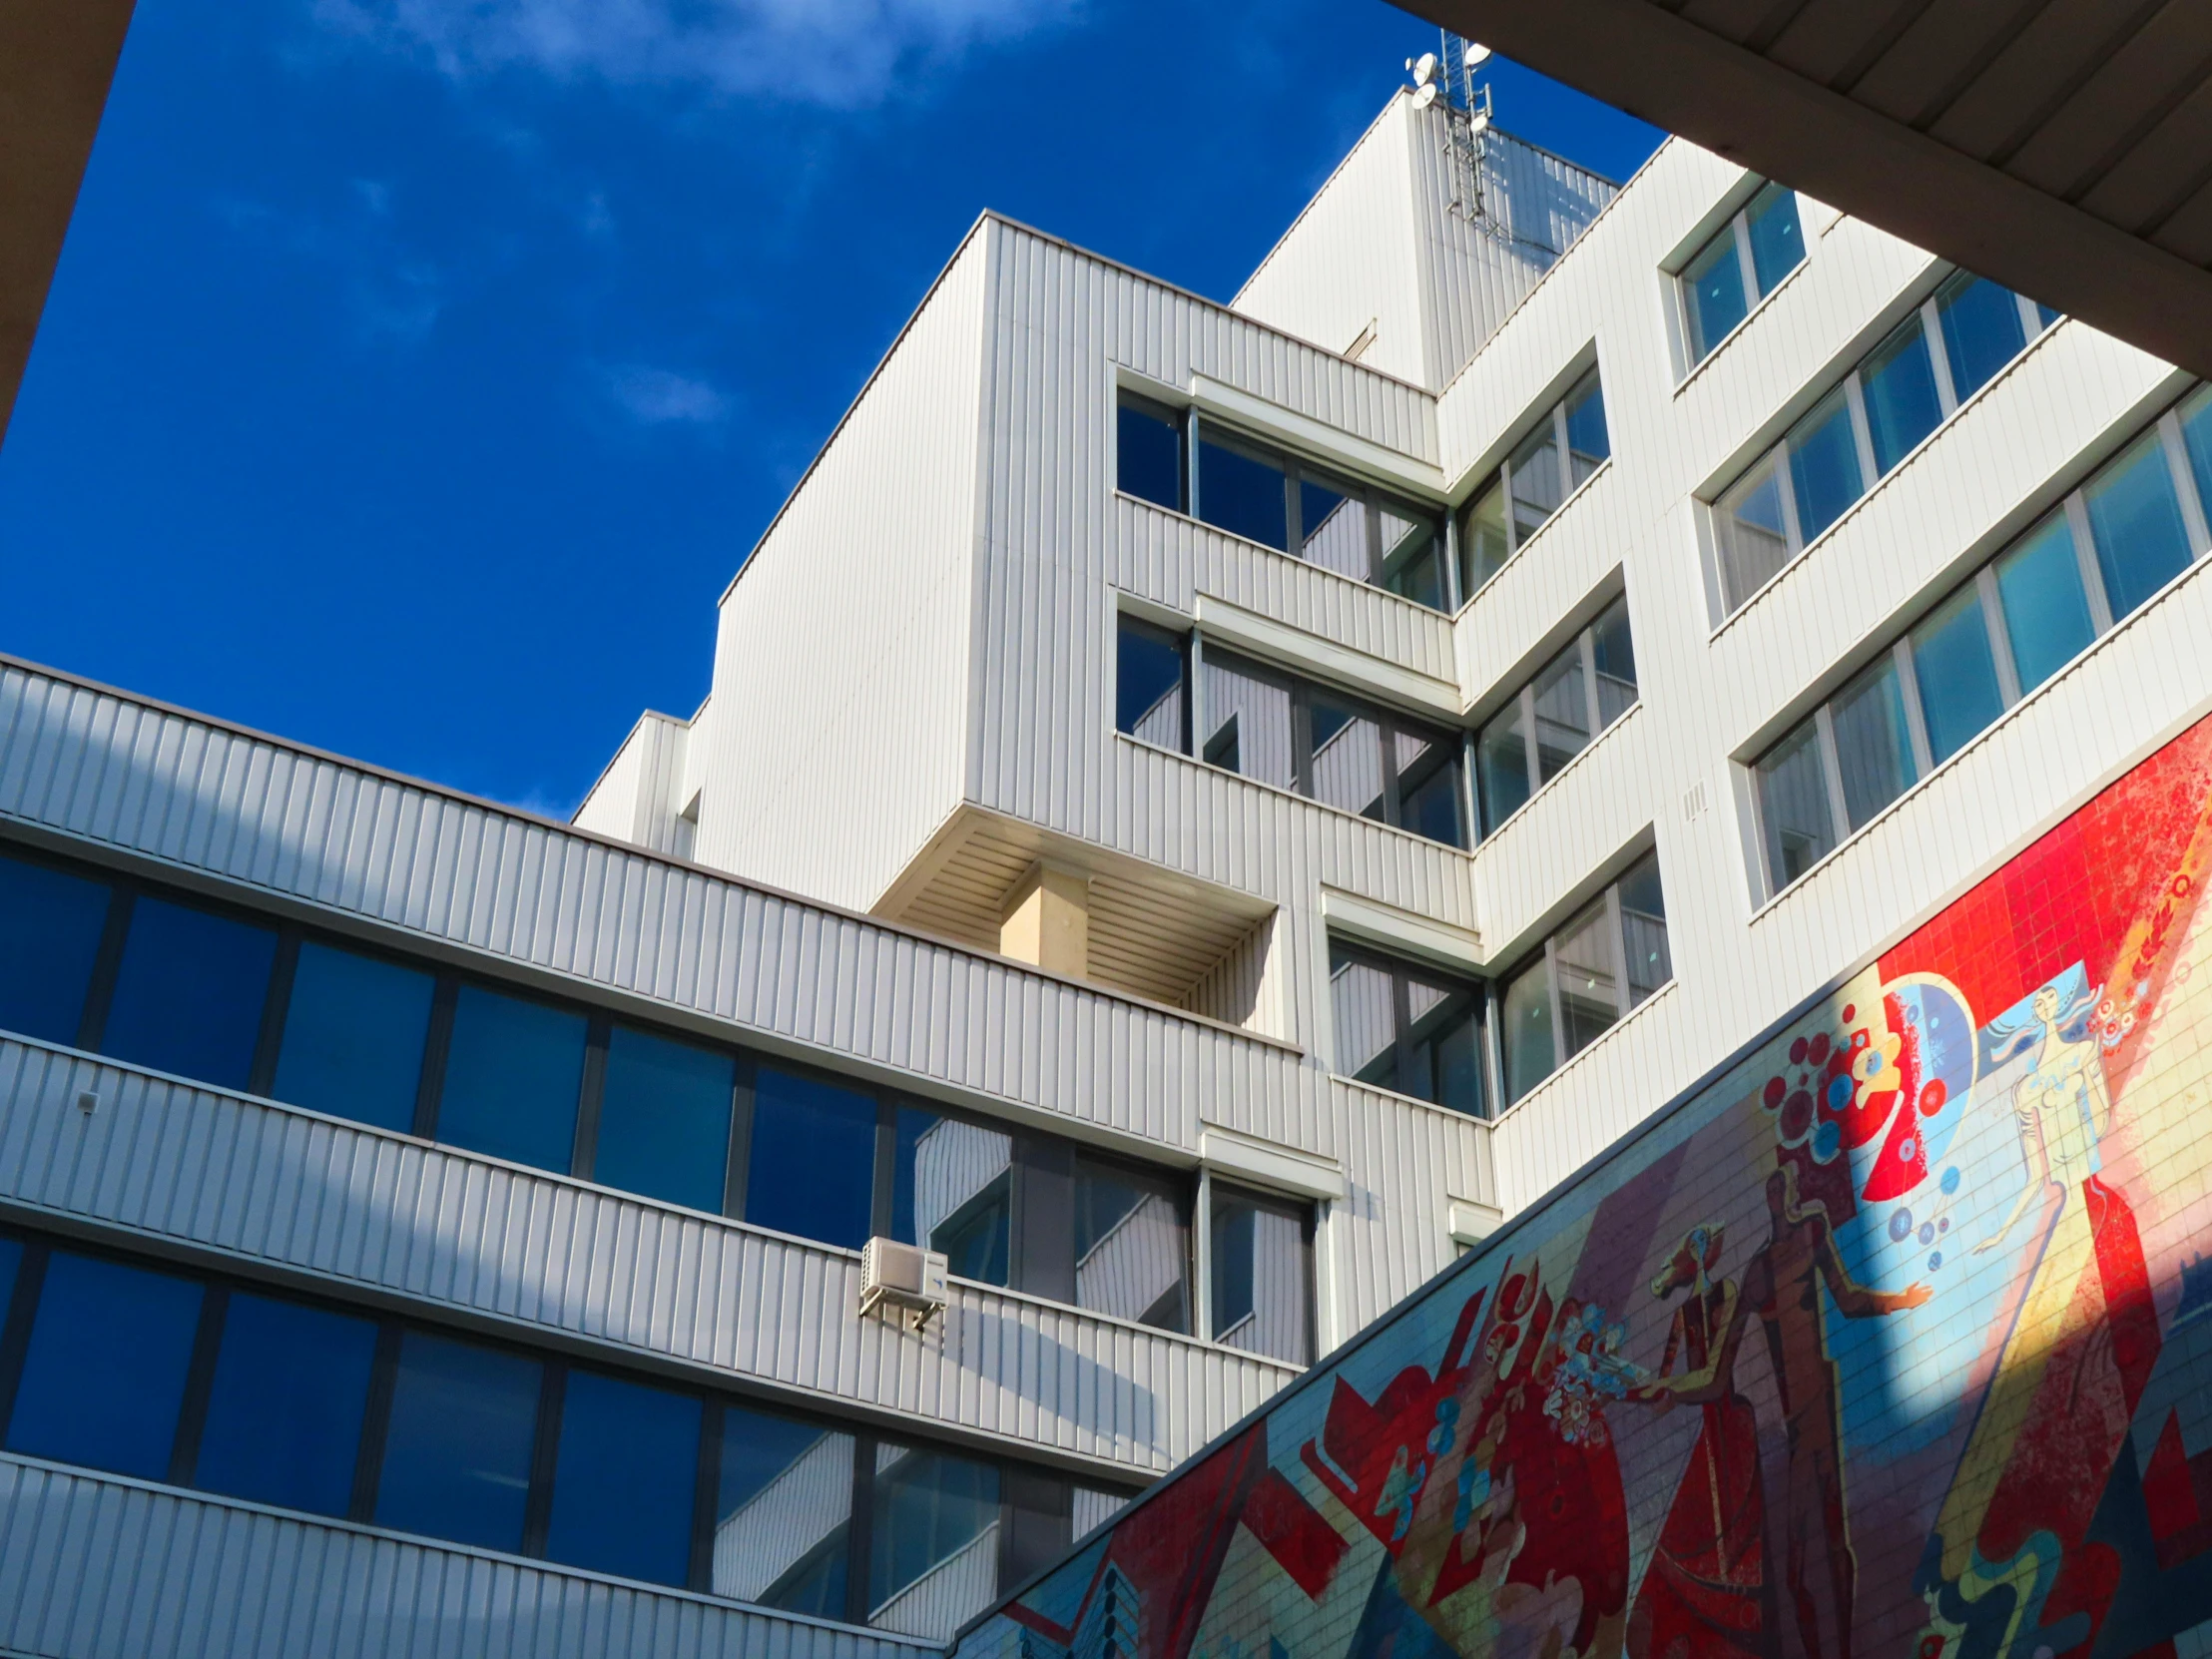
901,1278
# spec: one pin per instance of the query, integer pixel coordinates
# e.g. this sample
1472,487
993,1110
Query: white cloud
662,398
839,53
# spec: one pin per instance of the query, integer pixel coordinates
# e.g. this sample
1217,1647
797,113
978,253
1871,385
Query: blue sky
417,372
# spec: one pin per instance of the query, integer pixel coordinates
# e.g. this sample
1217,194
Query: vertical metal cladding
386,1213
642,792
99,1568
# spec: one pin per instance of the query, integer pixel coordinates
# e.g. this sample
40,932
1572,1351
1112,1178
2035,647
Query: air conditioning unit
901,1278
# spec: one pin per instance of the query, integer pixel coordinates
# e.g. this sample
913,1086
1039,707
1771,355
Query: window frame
1173,415
1981,580
1401,971
1500,483
1585,642
1737,225
1777,454
19,1307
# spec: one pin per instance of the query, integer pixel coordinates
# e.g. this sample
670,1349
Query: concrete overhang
2060,147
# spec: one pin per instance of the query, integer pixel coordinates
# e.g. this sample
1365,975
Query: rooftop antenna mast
1446,77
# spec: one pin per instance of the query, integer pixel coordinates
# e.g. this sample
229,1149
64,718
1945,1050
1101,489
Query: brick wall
1894,1338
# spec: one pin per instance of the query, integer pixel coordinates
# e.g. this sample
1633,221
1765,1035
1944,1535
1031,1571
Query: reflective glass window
1874,742
1644,929
458,1445
283,1423
782,1513
1531,1053
624,1479
1148,685
2046,613
1428,794
1485,542
1261,1293
1589,986
513,1071
50,925
1713,284
1903,407
1348,763
1776,237
933,1541
189,994
1132,1247
1752,529
1148,442
103,1378
354,1029
1589,443
1614,656
1250,713
1793,803
664,1120
1242,493
811,1172
1956,674
1824,465
954,1192
1982,330
1413,554
1332,526
2196,438
1532,477
2135,521
1363,1006
1443,1044
1501,765
1562,701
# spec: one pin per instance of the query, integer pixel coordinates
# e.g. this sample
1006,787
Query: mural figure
1704,1594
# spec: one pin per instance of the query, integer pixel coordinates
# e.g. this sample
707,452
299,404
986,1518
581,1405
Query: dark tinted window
2046,613
512,1076
664,1120
1901,403
1956,674
1982,330
457,1452
1714,286
812,1166
1130,1245
1824,465
353,1036
624,1484
1242,494
2135,521
782,1512
1777,239
1262,1297
105,1375
284,1423
1148,446
1148,685
930,1507
953,1192
49,934
190,995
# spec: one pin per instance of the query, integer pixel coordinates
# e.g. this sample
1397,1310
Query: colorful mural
1895,1341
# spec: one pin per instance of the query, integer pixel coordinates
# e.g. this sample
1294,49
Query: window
1262,1279
1149,451
1149,672
1883,409
1550,720
2105,550
1331,748
1569,443
1744,262
202,1383
188,995
1254,490
405,1046
1407,1028
1586,977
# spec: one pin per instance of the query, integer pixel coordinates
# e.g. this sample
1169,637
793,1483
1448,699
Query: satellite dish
1424,70
1478,123
1424,96
1476,54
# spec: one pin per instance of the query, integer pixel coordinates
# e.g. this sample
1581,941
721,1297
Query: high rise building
1204,815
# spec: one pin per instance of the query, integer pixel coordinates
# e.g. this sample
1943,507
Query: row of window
1589,685
1739,266
1567,443
234,1001
2108,548
1190,465
1858,432
1288,732
116,1364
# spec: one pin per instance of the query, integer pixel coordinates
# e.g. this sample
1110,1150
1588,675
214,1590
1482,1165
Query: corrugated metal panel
353,1204
93,1567
853,605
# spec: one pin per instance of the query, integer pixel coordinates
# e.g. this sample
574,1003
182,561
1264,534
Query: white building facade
1202,812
